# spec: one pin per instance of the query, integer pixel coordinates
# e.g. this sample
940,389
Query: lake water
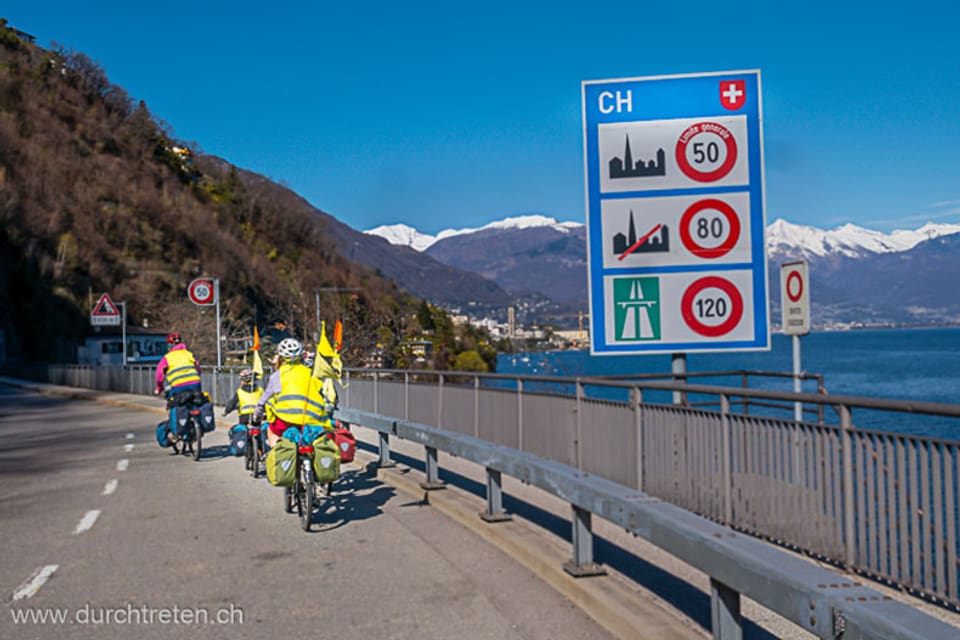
905,364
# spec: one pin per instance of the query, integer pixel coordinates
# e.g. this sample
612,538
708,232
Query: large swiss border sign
675,214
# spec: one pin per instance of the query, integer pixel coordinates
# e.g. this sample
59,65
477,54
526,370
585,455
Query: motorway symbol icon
637,304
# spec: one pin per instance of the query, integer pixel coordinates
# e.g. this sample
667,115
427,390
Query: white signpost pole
123,331
216,294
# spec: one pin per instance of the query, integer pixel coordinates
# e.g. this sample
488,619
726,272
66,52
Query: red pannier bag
346,443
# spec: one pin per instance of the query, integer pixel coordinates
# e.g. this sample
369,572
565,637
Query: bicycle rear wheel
198,444
250,462
308,489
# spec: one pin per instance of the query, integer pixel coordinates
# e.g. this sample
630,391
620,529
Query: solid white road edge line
110,487
34,582
87,521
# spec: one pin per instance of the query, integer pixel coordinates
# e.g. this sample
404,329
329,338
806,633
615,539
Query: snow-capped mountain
403,235
857,274
784,239
799,241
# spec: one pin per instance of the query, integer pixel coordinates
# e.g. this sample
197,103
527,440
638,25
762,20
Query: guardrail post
578,438
582,564
636,394
846,447
494,512
476,406
432,483
519,414
385,462
725,460
725,620
440,403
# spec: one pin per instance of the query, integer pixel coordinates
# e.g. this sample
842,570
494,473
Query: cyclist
178,370
244,401
292,393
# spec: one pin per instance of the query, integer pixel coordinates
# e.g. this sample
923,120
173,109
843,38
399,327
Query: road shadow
674,590
355,496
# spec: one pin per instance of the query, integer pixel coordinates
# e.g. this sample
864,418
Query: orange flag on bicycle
257,362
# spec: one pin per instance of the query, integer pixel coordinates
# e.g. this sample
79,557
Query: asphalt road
161,546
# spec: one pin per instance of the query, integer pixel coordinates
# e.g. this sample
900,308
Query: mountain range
858,275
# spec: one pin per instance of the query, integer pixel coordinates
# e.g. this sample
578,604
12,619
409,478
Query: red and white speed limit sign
706,151
201,291
709,228
712,306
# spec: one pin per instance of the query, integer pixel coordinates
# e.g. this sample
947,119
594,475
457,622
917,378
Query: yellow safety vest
247,400
300,401
181,368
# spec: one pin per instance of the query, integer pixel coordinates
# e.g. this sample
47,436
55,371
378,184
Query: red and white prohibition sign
201,292
711,147
794,286
710,314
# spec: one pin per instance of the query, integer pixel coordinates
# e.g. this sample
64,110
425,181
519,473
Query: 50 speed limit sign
675,214
202,291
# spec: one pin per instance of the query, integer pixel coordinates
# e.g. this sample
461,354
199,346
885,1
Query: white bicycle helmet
289,349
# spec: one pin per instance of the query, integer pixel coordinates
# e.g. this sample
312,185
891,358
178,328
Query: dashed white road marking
128,447
87,521
110,487
130,436
29,588
123,464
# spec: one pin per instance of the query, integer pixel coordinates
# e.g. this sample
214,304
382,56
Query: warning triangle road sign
105,313
105,307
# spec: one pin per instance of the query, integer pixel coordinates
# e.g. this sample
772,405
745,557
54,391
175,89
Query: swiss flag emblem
733,94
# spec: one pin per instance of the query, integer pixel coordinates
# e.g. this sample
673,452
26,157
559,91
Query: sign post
205,292
123,331
675,214
795,320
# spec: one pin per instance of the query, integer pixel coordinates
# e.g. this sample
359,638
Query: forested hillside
97,195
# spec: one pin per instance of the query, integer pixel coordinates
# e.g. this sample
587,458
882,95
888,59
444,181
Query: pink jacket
162,367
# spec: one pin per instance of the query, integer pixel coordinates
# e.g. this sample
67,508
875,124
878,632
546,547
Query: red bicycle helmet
174,338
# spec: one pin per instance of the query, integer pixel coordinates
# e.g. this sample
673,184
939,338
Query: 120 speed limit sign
712,306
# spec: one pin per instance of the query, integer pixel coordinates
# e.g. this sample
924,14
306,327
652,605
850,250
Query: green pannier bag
326,460
281,464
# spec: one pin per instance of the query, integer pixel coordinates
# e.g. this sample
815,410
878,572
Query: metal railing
882,504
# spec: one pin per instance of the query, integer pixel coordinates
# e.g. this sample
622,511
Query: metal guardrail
882,504
810,596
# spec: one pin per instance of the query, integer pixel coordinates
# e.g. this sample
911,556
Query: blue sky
446,114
